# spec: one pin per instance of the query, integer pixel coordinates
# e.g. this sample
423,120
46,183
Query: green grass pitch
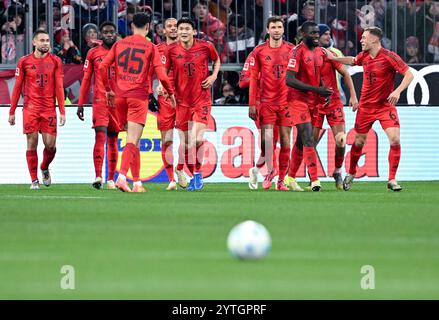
172,245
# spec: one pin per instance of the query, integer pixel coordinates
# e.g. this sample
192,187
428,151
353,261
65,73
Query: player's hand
329,54
62,120
80,113
12,120
160,90
110,95
173,101
325,92
208,82
394,97
353,102
252,113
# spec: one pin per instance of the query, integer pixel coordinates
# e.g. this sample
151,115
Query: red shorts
334,115
131,109
104,116
301,111
200,113
37,120
279,115
387,116
166,115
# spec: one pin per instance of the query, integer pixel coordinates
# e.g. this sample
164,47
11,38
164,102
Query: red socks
200,156
98,152
48,157
129,152
310,156
135,165
112,155
189,159
284,159
356,153
168,160
295,161
32,163
339,157
394,157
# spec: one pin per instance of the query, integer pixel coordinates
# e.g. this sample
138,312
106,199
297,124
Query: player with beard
306,89
39,76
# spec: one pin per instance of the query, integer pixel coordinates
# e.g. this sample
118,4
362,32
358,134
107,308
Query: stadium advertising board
231,148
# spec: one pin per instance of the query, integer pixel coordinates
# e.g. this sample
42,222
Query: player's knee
167,143
394,141
360,141
340,139
50,148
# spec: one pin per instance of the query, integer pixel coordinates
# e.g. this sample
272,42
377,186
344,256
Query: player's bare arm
344,60
353,100
295,83
395,95
209,81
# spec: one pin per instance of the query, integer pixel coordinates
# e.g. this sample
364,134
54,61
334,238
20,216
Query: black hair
307,25
39,31
141,19
105,24
186,20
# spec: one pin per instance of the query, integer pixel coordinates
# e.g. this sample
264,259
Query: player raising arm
378,100
39,76
133,57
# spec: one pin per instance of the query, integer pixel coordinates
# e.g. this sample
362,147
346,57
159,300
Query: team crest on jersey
245,66
292,63
163,59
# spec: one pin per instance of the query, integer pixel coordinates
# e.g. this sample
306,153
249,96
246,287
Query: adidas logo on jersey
179,56
267,58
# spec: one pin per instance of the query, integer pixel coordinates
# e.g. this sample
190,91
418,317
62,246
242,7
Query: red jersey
191,67
244,77
329,76
41,81
307,64
270,65
133,57
378,77
163,49
91,66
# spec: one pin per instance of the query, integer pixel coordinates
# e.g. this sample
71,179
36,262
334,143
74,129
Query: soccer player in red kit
244,82
378,99
167,114
189,60
133,58
306,90
333,111
268,76
105,118
39,76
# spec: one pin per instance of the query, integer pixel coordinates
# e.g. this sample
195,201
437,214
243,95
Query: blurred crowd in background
234,26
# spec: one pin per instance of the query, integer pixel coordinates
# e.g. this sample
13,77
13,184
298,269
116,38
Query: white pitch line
47,197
